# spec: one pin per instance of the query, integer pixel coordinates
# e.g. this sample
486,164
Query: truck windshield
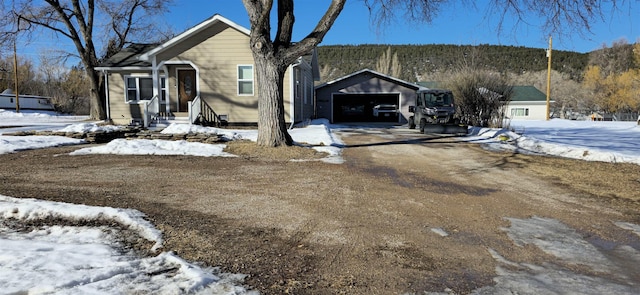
438,99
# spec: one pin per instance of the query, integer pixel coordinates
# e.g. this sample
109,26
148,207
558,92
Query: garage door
360,107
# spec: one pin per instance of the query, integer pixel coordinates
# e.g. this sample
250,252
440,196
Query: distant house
359,96
204,75
527,102
25,102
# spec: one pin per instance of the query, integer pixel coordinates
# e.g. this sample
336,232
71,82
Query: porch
199,112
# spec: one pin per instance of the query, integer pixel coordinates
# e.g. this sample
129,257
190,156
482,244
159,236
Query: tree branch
315,37
285,23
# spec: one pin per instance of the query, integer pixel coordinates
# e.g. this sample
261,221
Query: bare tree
74,92
27,76
389,64
273,56
616,59
85,23
481,96
571,98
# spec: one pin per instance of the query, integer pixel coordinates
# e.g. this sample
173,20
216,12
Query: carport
352,98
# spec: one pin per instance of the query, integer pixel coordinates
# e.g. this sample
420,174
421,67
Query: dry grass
250,150
602,180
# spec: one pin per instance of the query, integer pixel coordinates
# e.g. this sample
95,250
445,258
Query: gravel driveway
406,213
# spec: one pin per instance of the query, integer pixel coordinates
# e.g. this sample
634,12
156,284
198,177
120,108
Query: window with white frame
245,80
519,112
141,88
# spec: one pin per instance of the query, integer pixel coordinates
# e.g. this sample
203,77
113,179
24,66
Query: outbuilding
365,96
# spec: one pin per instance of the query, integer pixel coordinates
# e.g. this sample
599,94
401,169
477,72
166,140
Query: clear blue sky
455,24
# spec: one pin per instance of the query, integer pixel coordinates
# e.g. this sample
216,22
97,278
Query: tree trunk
273,57
272,128
96,111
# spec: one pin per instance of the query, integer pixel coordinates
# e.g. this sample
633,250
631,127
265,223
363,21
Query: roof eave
115,69
405,83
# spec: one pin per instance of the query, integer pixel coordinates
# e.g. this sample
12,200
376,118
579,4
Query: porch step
162,123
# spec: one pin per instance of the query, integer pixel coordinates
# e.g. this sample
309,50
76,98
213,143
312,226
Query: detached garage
365,96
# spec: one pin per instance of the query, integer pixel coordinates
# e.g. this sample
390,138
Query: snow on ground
87,260
586,140
10,121
10,144
616,142
156,147
317,135
611,262
90,127
81,260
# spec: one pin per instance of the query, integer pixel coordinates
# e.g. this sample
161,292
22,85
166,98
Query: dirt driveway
406,213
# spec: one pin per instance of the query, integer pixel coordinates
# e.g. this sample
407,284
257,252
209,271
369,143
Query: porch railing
194,109
200,112
151,110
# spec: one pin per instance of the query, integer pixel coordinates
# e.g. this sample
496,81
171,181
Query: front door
186,88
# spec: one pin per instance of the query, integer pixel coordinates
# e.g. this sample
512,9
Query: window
519,112
141,88
245,80
163,89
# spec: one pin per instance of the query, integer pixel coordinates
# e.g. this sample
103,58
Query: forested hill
419,62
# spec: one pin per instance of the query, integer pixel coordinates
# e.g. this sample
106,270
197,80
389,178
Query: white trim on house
122,69
177,87
105,73
292,94
252,80
180,65
139,76
396,80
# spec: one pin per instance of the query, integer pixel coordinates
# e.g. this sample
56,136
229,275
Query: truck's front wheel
423,124
412,124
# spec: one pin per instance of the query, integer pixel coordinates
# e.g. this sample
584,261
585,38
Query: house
527,102
359,96
204,75
25,102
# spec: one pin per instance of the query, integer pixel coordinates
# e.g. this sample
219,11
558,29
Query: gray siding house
358,96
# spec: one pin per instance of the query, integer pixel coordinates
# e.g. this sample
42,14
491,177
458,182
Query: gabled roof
431,84
128,57
527,93
215,19
374,73
139,56
312,59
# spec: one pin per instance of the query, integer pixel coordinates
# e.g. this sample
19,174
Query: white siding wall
536,110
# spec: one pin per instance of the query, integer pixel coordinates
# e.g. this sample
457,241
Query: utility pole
548,77
15,75
15,62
